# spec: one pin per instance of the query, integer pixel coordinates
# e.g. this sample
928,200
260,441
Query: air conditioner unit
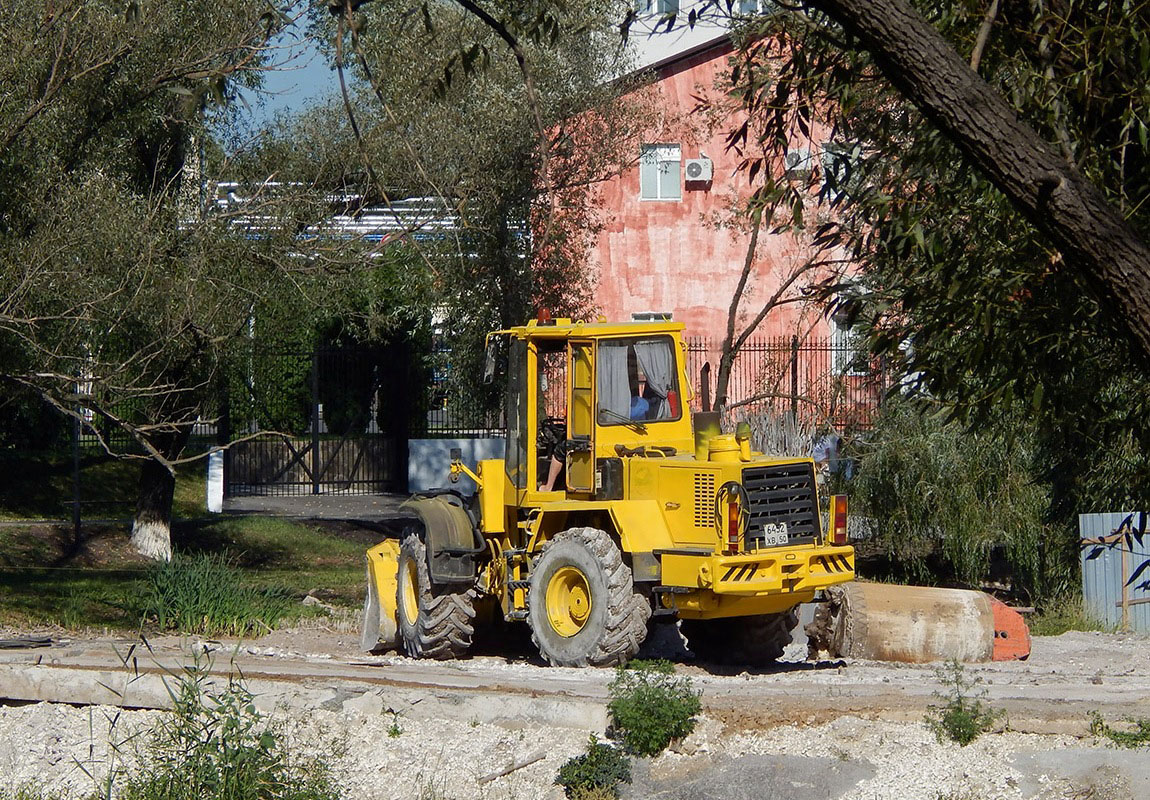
798,163
699,169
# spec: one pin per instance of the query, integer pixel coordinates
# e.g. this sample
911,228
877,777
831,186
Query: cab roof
562,328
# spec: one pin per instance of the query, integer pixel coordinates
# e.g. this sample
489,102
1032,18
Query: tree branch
1039,182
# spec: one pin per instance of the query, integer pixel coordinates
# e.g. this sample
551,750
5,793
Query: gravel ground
866,741
65,749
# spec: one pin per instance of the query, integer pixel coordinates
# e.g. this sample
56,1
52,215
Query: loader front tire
582,605
433,623
754,641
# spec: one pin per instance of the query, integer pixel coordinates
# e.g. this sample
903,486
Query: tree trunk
152,525
1057,199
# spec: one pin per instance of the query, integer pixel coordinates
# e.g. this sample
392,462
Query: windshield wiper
630,423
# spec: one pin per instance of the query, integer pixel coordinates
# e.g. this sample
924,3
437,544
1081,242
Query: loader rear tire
582,605
433,623
755,641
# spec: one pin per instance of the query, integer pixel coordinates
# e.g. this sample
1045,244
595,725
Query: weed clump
1138,736
220,748
205,594
651,706
1062,614
596,774
964,717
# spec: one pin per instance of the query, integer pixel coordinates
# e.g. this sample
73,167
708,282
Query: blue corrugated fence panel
1103,577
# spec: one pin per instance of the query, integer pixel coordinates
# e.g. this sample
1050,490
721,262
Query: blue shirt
639,407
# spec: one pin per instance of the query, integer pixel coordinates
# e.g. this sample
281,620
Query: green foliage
206,594
219,747
956,289
29,792
595,774
965,716
933,489
445,114
1135,734
651,706
1061,614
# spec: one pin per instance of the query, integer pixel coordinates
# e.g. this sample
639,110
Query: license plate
775,534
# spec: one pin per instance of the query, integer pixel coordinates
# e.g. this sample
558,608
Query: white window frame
847,359
667,157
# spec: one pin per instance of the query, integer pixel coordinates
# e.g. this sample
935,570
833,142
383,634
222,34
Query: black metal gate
330,421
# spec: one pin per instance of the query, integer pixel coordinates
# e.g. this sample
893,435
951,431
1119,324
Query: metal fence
1113,551
818,381
339,420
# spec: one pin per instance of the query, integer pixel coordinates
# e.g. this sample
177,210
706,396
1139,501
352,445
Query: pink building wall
668,255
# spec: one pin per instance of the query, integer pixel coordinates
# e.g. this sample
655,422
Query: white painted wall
429,462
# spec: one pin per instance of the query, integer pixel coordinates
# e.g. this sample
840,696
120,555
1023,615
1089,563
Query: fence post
794,376
224,430
76,429
315,462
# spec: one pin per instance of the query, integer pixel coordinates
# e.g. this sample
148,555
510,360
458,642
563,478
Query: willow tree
122,286
505,114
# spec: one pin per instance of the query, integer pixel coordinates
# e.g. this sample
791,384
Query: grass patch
1065,613
40,488
71,598
47,579
204,593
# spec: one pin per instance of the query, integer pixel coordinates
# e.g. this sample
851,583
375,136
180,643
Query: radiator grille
783,493
704,499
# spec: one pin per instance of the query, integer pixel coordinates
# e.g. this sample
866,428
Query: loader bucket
917,624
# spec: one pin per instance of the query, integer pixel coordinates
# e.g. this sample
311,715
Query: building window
840,162
659,172
657,6
849,355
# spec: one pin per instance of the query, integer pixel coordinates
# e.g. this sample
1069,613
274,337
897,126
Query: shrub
941,499
220,748
595,774
1138,736
650,706
964,717
1064,613
205,594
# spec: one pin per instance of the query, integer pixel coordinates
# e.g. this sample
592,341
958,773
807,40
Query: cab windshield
637,381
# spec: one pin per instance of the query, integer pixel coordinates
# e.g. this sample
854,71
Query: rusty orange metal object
917,624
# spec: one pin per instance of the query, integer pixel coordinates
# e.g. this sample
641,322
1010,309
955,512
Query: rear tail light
838,519
733,525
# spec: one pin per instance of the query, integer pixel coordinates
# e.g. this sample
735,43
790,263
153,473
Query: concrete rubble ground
834,730
850,730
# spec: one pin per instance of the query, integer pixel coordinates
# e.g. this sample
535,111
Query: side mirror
456,454
495,363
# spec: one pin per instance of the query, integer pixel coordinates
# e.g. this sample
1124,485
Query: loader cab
584,391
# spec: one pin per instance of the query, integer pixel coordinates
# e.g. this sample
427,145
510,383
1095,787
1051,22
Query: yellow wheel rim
568,601
408,582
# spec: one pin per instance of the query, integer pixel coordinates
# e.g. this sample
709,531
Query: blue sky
303,76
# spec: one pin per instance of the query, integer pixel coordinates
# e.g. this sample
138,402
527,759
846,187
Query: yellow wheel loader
612,508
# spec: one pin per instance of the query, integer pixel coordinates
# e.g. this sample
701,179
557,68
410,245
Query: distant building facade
670,244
